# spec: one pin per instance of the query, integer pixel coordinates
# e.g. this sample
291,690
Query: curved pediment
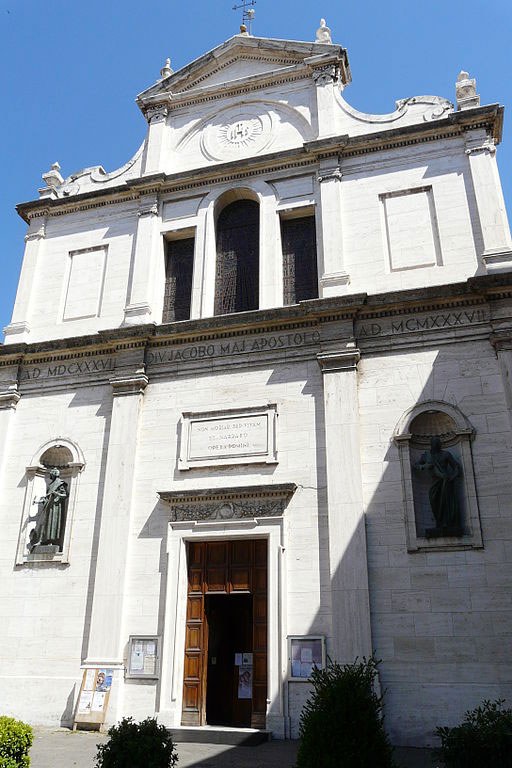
243,130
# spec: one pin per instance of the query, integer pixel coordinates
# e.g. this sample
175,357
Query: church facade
256,407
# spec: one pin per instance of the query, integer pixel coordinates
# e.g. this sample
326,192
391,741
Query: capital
157,113
129,385
339,360
330,174
326,75
9,399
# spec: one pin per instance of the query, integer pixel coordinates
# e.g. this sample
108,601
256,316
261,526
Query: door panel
225,568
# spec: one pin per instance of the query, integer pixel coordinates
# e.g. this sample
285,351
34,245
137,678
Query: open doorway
226,634
229,624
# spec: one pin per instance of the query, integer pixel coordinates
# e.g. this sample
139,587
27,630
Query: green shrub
483,738
137,745
15,741
341,725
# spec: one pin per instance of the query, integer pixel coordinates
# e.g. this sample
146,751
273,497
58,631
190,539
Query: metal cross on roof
247,12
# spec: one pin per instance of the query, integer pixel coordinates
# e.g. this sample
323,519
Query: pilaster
326,79
139,309
18,329
502,343
157,119
481,152
333,277
348,563
106,641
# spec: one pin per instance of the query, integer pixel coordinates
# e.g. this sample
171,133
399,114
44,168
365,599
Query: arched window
434,442
238,248
50,499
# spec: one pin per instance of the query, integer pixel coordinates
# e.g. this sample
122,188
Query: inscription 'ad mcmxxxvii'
413,323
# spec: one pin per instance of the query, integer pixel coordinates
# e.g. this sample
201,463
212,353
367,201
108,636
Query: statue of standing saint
51,517
443,493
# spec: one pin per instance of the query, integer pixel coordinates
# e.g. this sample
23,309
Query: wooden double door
225,677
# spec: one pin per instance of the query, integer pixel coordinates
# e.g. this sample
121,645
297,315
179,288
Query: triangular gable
240,56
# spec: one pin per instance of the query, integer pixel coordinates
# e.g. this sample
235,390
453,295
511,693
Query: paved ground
64,749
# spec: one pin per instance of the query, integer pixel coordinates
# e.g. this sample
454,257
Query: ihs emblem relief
241,133
237,132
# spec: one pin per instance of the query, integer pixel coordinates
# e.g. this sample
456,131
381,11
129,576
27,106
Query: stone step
212,734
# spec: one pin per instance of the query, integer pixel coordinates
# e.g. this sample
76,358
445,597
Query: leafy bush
138,745
15,741
341,725
483,738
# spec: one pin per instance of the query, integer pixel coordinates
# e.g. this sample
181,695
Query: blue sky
70,71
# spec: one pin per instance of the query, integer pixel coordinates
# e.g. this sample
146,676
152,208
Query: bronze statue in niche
444,492
51,518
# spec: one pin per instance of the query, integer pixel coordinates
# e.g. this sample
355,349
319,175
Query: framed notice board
91,709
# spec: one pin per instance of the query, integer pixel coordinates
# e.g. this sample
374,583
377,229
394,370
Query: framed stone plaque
220,438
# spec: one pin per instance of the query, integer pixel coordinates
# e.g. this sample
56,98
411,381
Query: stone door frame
173,649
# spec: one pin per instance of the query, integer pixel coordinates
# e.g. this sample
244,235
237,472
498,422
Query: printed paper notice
84,705
149,665
137,661
98,701
306,668
306,653
245,683
247,659
238,659
89,680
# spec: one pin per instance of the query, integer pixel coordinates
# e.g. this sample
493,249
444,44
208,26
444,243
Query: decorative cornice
452,125
339,360
224,504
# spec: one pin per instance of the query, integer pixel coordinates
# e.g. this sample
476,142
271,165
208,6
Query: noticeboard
305,653
94,696
143,657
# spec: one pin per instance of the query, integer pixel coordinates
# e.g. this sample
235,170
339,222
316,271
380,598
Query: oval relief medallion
236,133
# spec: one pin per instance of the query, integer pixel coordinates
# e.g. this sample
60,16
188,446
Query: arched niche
237,238
65,456
441,506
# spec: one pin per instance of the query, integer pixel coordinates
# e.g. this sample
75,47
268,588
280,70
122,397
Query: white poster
238,659
306,653
98,701
89,680
245,683
84,705
137,660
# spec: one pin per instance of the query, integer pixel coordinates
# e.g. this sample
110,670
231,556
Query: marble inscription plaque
234,436
224,438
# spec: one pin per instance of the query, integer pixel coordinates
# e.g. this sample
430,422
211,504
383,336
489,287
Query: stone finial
52,178
323,33
243,30
465,92
166,69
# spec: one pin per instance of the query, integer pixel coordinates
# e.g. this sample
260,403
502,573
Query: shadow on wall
441,617
66,719
441,620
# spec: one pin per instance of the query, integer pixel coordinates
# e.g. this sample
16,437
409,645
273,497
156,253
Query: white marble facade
413,316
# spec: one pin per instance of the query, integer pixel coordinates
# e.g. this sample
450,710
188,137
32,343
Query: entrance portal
225,677
228,678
